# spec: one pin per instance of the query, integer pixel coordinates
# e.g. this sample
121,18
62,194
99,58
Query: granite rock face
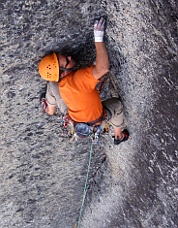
42,174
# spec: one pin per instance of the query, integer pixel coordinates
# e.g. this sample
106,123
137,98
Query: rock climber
74,92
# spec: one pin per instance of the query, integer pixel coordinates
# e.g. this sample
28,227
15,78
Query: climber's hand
99,28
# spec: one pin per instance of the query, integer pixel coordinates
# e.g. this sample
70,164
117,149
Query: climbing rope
85,188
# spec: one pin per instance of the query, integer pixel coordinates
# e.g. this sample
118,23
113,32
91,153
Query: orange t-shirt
78,90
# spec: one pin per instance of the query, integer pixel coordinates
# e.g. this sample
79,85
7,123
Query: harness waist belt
103,115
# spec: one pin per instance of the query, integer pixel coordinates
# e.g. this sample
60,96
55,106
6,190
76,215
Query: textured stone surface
42,175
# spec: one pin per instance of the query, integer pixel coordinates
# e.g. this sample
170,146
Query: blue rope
85,187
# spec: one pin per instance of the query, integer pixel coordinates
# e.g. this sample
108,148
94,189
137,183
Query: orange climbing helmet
49,68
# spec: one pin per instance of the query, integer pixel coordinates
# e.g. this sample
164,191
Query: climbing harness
91,130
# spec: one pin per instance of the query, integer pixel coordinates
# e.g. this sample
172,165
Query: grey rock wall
42,174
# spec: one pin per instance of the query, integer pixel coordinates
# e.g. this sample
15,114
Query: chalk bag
82,130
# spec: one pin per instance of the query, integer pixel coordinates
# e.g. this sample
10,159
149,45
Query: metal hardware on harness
95,134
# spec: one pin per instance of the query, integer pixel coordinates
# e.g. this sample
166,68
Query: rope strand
85,187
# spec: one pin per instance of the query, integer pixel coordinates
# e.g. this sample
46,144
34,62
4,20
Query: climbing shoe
125,136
